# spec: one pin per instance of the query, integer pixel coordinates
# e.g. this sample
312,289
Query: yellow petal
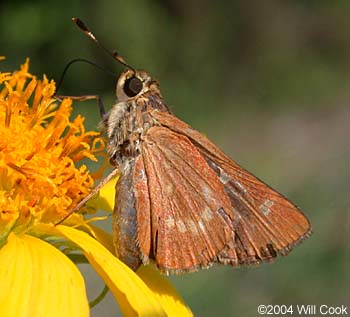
106,196
102,236
99,234
132,294
38,280
165,291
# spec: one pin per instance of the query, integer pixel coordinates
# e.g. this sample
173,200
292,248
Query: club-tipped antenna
82,26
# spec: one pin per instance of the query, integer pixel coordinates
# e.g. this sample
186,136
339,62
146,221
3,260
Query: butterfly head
134,83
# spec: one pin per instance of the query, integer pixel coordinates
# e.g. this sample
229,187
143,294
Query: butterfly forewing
143,207
264,221
191,215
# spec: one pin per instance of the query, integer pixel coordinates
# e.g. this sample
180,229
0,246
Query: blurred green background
268,81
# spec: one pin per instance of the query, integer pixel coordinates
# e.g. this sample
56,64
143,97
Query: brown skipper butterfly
180,201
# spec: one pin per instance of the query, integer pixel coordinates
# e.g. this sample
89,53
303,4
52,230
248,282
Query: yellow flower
40,182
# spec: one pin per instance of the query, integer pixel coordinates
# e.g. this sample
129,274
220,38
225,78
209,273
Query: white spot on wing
141,176
181,226
169,222
240,187
207,191
207,214
201,226
224,177
193,227
265,207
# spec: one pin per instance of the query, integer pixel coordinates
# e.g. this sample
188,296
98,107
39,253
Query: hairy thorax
126,123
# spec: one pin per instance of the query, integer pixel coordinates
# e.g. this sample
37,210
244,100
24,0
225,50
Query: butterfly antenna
60,81
82,26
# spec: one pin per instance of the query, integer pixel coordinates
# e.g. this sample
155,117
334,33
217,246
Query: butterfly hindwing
125,226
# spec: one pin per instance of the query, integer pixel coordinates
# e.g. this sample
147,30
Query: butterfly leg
101,105
91,194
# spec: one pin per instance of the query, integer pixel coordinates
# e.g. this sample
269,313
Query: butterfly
180,201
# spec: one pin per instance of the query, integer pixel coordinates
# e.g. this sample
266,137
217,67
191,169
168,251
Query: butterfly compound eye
132,86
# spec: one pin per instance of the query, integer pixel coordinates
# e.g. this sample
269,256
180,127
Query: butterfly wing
184,215
265,222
